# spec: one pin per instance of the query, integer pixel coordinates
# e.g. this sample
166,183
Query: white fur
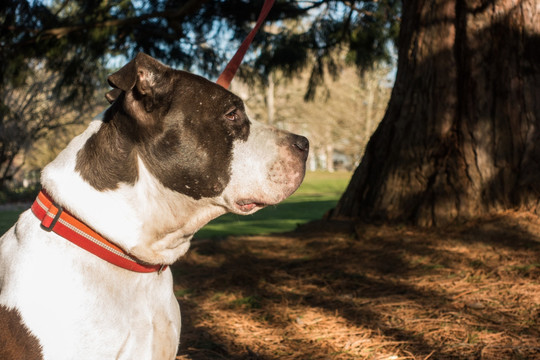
262,169
97,310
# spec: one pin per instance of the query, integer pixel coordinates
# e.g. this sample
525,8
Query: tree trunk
330,158
461,135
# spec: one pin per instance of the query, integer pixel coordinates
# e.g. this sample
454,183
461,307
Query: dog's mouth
249,205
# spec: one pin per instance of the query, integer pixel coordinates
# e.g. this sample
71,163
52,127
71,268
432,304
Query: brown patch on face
108,158
180,125
16,341
193,154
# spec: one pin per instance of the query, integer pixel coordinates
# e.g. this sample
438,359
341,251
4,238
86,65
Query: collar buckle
162,267
48,215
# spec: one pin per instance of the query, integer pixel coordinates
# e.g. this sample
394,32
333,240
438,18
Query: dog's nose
301,143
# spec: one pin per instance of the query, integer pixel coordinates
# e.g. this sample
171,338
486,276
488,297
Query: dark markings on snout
298,147
181,125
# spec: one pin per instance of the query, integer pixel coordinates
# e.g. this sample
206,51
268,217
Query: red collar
54,218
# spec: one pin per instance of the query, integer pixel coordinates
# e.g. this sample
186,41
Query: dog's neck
147,220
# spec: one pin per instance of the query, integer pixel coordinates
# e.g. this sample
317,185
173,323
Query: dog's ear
145,77
138,71
112,95
124,79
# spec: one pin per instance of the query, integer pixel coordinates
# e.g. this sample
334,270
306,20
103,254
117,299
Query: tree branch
63,31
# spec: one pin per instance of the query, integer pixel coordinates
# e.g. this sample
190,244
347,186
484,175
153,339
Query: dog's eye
232,115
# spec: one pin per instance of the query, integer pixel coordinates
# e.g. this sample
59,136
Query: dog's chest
90,304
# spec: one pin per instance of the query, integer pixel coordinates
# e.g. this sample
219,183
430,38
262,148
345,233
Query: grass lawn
319,192
8,218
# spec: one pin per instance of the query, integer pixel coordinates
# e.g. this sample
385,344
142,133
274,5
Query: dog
83,273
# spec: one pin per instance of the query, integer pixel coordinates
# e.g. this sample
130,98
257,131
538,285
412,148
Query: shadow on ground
339,290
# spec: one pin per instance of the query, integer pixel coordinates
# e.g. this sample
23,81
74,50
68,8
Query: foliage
70,44
363,28
77,37
28,113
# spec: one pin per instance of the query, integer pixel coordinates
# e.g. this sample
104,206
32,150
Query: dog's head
194,139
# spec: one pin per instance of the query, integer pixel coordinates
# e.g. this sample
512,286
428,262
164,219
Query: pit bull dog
83,273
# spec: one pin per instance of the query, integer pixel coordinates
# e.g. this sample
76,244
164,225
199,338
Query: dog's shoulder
16,341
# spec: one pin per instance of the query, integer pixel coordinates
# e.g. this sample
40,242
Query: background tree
461,135
54,58
76,39
340,119
29,114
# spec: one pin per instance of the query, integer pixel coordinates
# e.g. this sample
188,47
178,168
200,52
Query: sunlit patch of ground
356,291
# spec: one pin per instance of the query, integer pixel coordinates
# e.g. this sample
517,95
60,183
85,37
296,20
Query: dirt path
340,291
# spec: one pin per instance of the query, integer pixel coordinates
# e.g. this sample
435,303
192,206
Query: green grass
319,192
7,219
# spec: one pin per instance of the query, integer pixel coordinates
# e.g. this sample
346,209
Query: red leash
230,70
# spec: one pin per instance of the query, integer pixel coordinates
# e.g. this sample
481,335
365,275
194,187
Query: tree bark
461,135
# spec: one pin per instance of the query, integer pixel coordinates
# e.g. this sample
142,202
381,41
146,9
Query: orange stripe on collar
54,218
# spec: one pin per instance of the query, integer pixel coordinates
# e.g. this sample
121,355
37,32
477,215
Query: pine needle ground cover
355,291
